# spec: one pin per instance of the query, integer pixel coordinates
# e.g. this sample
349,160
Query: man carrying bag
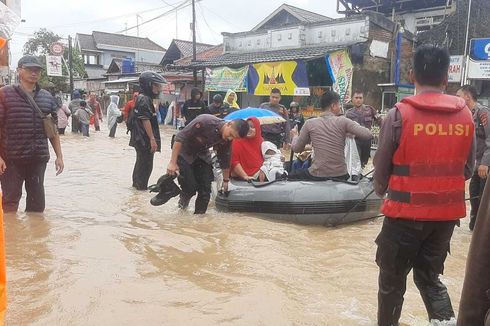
27,121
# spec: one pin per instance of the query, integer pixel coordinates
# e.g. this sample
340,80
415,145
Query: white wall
298,36
137,54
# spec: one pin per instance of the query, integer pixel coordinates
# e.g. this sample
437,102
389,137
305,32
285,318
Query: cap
294,105
29,61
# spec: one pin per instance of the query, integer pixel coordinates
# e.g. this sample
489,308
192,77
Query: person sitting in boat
303,159
246,154
327,135
273,166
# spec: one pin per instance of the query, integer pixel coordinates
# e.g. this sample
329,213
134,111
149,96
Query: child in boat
273,166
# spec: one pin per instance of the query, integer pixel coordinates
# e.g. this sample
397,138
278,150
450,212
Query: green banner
224,78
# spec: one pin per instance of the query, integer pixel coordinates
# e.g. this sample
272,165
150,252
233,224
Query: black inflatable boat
304,202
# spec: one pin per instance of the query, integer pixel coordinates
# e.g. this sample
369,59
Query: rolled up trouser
423,246
196,177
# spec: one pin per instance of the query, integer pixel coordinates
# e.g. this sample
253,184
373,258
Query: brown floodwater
102,255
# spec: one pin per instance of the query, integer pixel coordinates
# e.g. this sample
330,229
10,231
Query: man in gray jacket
327,135
482,132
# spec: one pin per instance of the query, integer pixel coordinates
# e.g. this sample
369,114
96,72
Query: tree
39,45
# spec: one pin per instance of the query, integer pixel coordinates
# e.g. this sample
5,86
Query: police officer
218,109
143,124
295,116
194,106
426,151
192,159
277,133
482,132
365,115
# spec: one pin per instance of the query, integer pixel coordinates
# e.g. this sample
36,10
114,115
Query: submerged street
102,255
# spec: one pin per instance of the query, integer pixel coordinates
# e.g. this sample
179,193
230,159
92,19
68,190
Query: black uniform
144,110
192,108
194,161
220,111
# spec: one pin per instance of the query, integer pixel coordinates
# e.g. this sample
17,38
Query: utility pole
70,65
138,25
194,70
465,57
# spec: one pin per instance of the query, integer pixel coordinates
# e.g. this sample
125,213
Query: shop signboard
455,71
340,69
287,76
479,62
224,78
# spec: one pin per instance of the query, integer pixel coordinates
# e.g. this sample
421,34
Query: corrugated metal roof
125,41
208,54
87,42
231,59
185,47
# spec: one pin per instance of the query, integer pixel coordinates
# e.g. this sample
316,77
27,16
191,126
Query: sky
68,17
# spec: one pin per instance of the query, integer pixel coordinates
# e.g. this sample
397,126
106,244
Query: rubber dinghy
326,203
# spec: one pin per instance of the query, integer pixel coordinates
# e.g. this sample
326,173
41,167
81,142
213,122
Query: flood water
102,255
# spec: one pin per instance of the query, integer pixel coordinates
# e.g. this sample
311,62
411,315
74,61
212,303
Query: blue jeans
85,129
300,165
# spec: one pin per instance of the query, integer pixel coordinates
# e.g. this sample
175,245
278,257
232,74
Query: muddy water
102,255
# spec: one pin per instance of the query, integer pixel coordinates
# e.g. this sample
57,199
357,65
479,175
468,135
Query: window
258,42
290,36
320,34
279,37
90,59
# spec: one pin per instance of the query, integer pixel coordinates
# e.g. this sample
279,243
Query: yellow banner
283,75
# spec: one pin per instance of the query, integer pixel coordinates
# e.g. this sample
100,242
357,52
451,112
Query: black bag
49,123
119,119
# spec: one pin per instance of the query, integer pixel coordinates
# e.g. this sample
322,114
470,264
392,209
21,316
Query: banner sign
223,79
287,76
54,66
455,69
480,49
479,63
340,69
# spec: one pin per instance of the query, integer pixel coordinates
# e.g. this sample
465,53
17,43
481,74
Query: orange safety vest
427,182
3,272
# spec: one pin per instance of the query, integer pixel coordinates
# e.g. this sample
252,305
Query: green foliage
39,45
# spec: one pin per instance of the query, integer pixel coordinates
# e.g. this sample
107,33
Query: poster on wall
224,78
340,69
287,76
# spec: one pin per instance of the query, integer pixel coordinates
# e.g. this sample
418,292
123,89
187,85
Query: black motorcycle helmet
146,79
218,99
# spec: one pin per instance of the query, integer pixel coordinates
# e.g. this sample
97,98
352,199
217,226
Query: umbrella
264,116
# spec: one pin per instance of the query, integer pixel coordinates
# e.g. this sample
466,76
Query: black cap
29,61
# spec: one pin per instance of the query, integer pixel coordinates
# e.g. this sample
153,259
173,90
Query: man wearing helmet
143,124
217,109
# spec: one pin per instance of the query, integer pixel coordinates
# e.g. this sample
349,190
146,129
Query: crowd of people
429,145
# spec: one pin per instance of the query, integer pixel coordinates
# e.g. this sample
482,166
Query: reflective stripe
426,198
432,170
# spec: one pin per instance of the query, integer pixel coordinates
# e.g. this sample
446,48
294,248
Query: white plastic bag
352,158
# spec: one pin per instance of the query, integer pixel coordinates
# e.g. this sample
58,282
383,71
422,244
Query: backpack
131,121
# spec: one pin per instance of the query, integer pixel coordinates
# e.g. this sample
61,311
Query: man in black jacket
194,106
217,109
143,124
24,150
